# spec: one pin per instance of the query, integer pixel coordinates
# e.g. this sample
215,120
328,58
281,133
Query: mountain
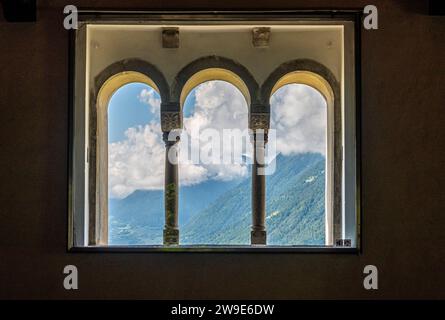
295,203
294,206
139,218
220,212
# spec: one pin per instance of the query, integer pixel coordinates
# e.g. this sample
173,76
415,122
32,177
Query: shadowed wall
403,143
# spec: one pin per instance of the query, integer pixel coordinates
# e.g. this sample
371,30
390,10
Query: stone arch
126,71
301,71
214,68
319,77
106,84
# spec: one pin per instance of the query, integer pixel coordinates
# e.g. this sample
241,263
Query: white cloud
137,162
219,105
150,97
299,116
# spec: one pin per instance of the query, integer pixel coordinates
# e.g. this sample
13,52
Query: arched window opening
296,201
214,170
214,74
135,166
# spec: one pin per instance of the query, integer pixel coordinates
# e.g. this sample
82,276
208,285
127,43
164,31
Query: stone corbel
170,37
261,37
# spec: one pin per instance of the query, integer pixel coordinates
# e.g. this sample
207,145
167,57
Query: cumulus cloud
137,162
299,118
151,98
219,106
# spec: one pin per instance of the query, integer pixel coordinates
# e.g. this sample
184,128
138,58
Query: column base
258,237
171,237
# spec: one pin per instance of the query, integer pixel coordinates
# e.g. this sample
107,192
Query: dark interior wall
403,121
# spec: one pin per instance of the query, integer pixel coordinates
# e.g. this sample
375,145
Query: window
135,189
297,188
214,132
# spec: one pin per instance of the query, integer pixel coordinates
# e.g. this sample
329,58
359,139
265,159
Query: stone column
171,123
171,188
259,124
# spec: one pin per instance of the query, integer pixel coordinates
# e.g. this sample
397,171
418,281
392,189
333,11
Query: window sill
211,249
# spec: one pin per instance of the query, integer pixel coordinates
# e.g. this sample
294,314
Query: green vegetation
295,209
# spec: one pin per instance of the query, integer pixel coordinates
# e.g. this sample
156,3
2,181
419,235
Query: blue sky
127,110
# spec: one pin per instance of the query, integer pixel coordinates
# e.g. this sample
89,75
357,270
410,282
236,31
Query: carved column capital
171,120
259,124
259,121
